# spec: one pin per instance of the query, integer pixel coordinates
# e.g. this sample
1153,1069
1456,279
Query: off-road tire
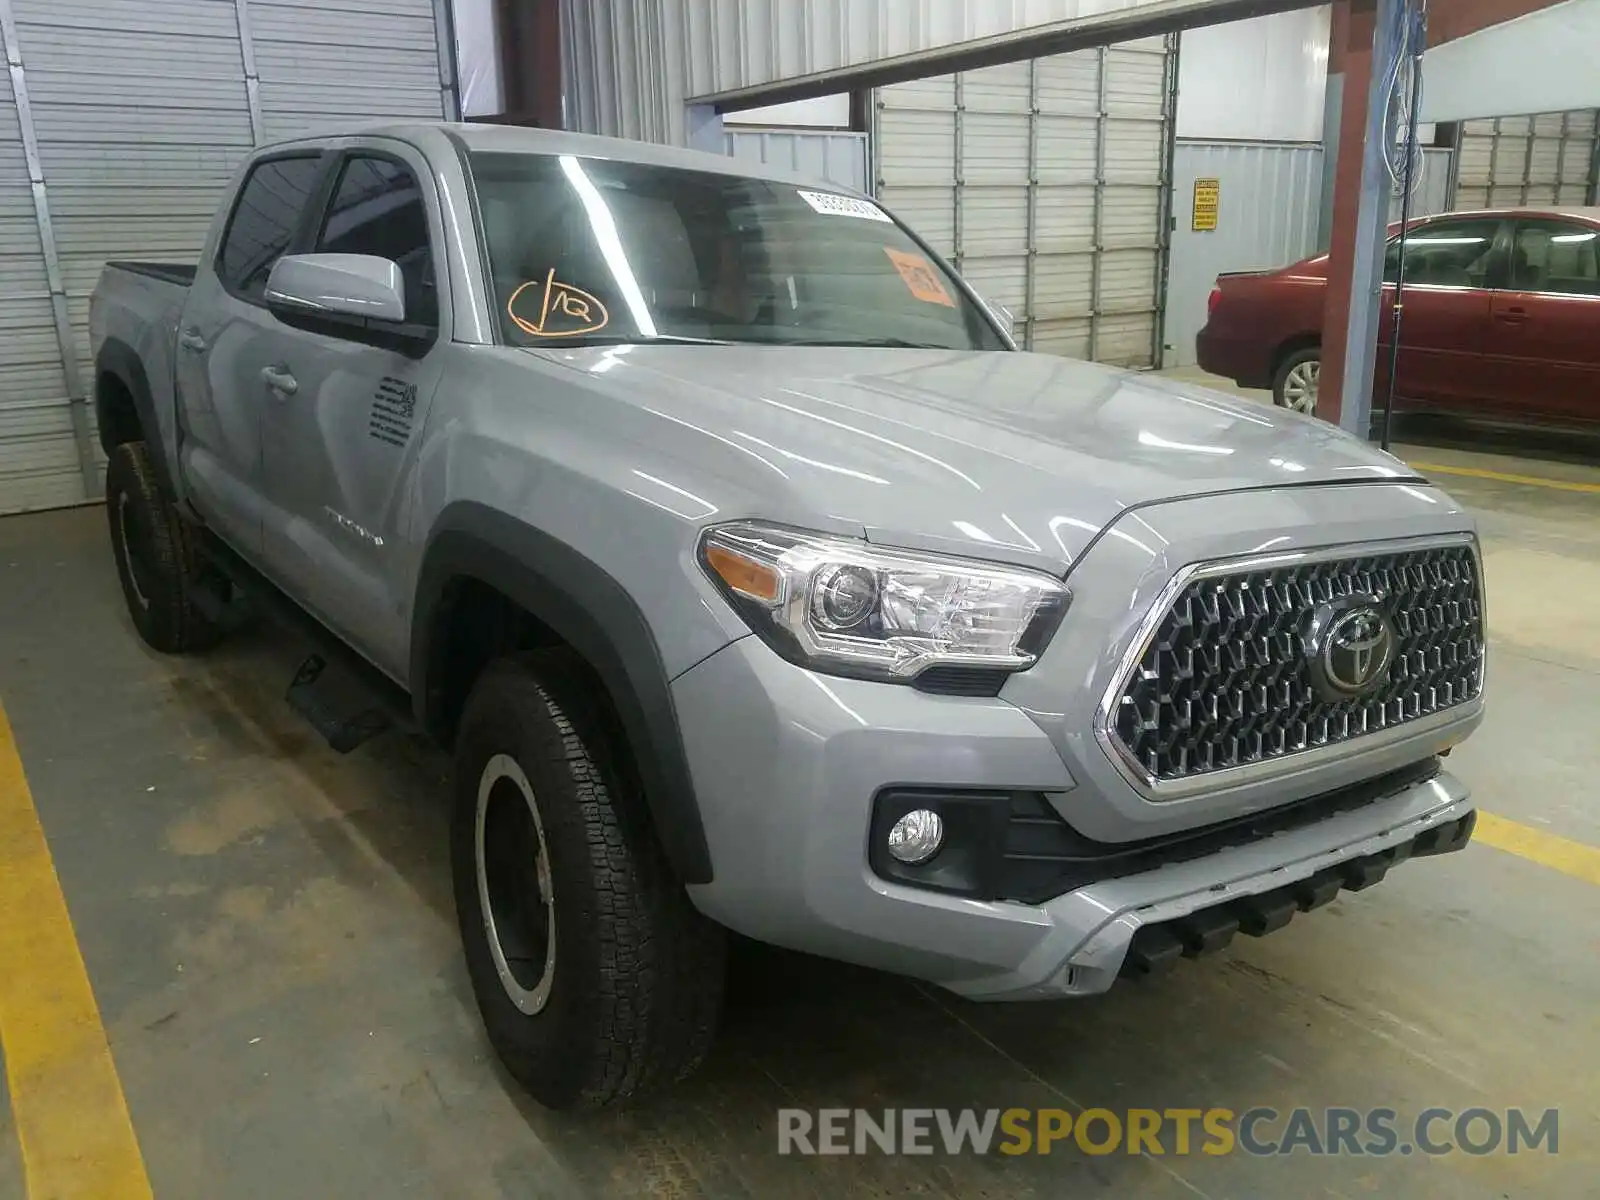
635,986
160,579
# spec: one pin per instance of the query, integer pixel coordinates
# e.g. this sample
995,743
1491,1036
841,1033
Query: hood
1016,456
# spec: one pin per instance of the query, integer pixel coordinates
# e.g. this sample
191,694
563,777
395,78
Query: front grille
1225,679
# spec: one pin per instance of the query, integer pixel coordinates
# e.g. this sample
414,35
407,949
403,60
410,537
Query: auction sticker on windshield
834,205
922,281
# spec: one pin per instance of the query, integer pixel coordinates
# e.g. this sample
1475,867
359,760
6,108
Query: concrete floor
268,930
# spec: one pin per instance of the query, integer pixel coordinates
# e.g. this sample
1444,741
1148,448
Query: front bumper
786,764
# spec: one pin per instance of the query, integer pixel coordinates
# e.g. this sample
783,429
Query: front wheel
1295,385
595,976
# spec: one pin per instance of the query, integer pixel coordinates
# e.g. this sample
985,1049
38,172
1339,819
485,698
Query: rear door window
1560,257
263,224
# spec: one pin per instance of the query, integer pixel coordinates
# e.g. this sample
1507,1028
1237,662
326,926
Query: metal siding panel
1063,286
1002,89
1135,82
1124,339
936,92
1544,160
1001,280
1270,200
931,211
1066,149
1510,159
1548,125
916,148
296,25
198,18
1069,84
836,156
1127,281
299,48
1477,159
1065,218
995,222
1131,217
994,148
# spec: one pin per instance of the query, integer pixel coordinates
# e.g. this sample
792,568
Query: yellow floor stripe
1546,849
1560,485
66,1101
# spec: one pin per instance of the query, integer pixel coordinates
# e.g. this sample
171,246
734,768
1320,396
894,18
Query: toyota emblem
1350,645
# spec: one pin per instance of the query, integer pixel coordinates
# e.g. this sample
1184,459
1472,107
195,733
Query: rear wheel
156,557
595,976
1295,385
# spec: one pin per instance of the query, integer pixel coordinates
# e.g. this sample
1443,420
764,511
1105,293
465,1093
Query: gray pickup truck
757,582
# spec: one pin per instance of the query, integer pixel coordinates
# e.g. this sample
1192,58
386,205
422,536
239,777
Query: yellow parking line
1546,849
66,1101
1560,485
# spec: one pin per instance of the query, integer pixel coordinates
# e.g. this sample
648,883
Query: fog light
917,836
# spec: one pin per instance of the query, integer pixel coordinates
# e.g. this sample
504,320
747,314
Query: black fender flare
589,610
118,358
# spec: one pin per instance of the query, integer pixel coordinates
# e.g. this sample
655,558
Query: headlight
846,607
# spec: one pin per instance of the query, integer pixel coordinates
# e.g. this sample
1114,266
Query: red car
1501,320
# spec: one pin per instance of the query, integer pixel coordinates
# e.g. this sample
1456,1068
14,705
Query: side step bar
343,696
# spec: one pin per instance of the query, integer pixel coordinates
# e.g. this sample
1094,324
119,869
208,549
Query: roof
1577,212
518,139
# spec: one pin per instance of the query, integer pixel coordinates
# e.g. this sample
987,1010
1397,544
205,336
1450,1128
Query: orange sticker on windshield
922,281
564,311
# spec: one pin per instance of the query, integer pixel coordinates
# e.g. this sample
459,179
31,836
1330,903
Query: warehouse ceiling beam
1018,45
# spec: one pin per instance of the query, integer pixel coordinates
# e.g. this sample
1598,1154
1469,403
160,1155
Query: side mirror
359,286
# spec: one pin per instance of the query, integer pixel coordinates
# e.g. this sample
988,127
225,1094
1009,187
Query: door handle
280,380
1512,316
190,339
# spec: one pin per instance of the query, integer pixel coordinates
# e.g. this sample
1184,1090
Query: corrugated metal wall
1267,216
1270,196
1044,183
1544,159
836,155
630,64
140,113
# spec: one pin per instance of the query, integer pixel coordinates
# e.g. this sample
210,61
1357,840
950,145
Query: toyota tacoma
757,582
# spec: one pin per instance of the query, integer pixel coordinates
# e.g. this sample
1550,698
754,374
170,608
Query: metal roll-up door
1509,162
141,112
339,63
38,453
1046,184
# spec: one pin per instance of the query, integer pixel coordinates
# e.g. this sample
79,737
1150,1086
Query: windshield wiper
620,339
870,343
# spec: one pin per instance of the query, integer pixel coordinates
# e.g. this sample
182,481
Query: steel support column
1371,232
252,81
1097,250
1031,268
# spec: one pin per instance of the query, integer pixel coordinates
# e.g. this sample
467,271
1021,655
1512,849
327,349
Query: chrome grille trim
1439,725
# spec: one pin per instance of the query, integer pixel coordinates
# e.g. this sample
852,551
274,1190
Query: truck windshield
592,250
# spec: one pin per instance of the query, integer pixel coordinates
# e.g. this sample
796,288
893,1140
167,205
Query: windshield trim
468,156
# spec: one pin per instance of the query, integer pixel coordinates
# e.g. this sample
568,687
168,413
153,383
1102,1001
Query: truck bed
179,273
